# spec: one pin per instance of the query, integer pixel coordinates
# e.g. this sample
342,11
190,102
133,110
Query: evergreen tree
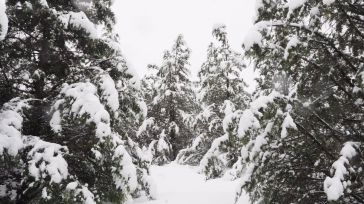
65,133
149,130
170,98
221,91
307,135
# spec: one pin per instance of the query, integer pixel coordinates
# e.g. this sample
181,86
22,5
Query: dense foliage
169,95
68,107
76,127
220,92
306,146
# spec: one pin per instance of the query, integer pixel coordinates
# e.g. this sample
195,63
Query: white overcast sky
148,27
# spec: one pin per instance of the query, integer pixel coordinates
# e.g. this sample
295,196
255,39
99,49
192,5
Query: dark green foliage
51,49
220,93
310,56
170,98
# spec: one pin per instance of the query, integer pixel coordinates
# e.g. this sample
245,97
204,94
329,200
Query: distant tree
220,92
170,98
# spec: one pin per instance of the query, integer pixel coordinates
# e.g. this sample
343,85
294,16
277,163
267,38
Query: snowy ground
177,184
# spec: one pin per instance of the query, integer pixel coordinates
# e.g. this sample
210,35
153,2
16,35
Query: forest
77,126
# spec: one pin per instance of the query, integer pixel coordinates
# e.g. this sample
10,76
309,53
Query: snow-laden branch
109,94
148,123
78,189
335,186
11,122
84,102
127,177
79,20
46,159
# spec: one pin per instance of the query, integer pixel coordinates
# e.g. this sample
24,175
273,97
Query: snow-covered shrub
79,105
27,159
160,150
192,155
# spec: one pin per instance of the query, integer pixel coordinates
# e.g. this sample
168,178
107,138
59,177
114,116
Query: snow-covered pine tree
307,132
150,135
221,91
61,137
149,130
170,98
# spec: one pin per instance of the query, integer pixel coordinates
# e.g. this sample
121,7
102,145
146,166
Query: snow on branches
335,186
109,94
11,121
3,20
80,100
46,159
127,177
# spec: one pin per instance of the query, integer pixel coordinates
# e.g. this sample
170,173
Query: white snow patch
229,114
315,11
2,191
328,2
82,190
3,20
96,153
287,123
44,3
253,37
11,122
109,92
72,185
85,101
145,125
294,4
247,121
127,177
55,122
83,5
45,193
263,101
143,107
150,151
356,89
213,151
80,20
179,184
334,186
46,159
260,141
162,144
293,42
